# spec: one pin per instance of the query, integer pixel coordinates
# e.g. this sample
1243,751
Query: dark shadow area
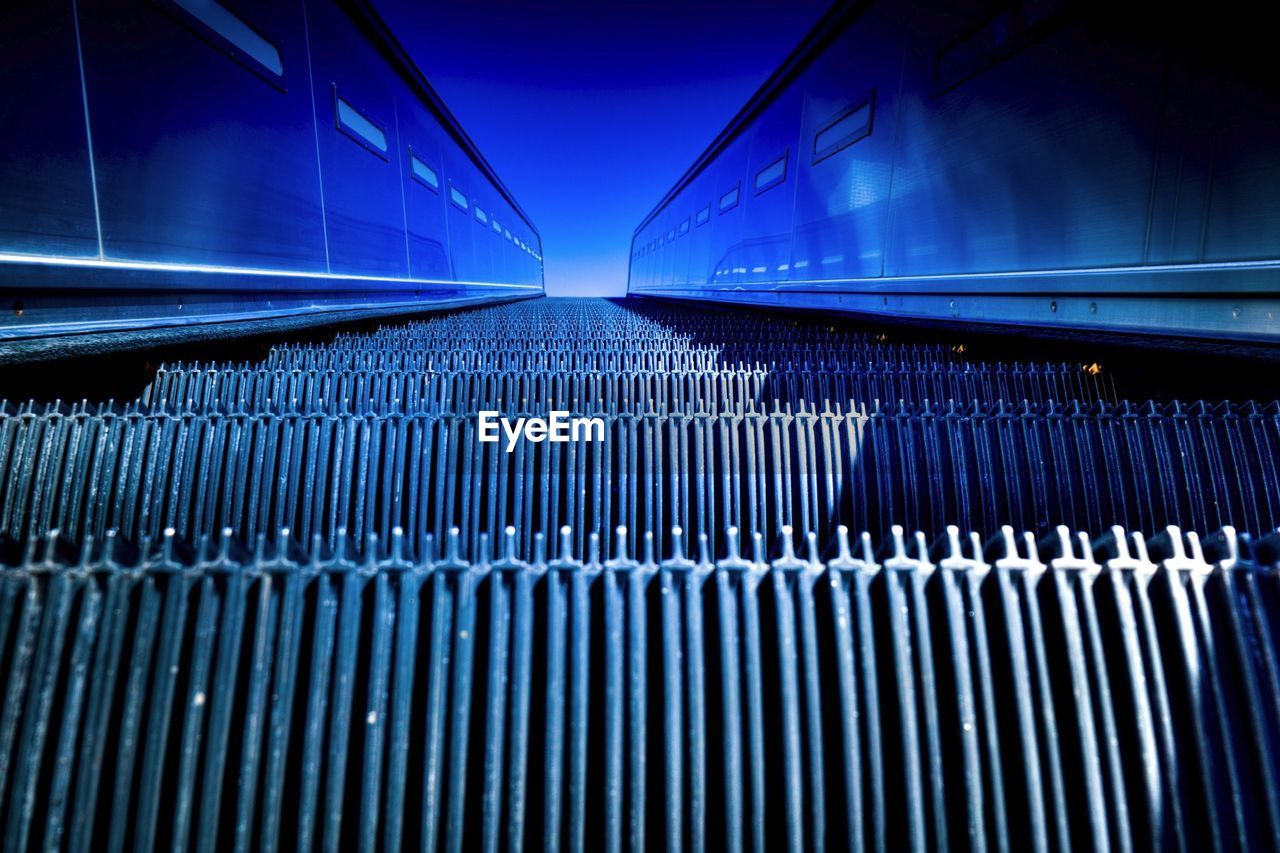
122,372
1134,367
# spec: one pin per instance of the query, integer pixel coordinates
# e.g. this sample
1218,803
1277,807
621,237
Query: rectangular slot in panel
772,175
704,215
229,33
999,34
423,174
847,127
456,196
358,127
481,216
729,200
684,227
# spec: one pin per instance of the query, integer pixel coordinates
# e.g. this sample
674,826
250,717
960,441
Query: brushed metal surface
46,194
214,175
1016,155
198,159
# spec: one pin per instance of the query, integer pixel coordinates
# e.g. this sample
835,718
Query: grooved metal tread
260,607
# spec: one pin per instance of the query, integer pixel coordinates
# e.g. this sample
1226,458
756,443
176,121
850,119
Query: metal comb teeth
299,603
712,420
759,467
978,685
